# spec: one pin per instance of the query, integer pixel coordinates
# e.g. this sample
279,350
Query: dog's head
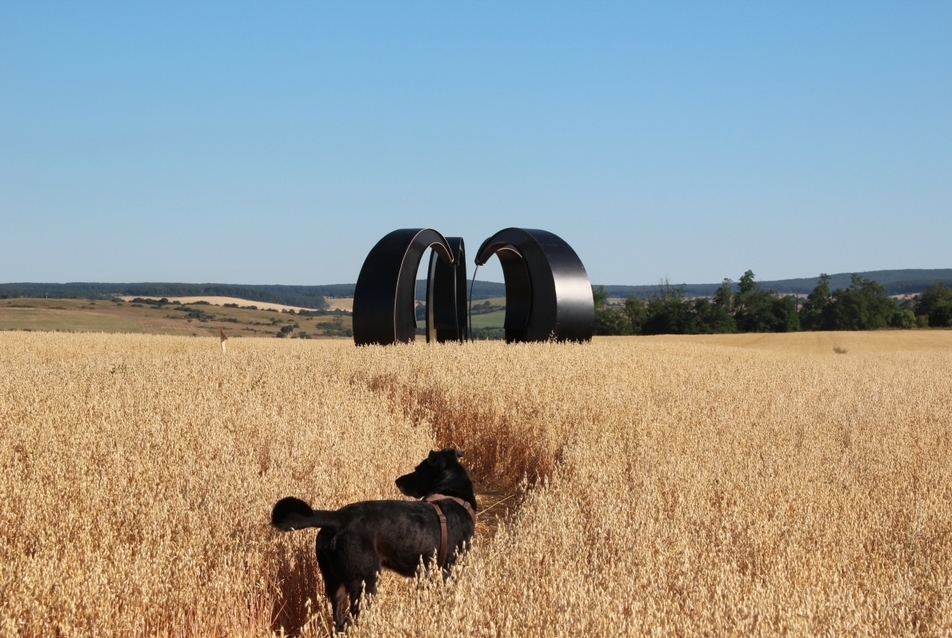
440,473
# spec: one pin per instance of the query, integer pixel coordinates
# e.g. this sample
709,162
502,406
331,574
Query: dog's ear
436,459
450,454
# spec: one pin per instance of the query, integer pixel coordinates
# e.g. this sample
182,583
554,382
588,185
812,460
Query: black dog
359,539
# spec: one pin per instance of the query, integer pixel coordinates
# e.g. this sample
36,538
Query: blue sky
277,142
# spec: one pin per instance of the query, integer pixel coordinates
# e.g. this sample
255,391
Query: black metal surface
446,295
548,293
383,297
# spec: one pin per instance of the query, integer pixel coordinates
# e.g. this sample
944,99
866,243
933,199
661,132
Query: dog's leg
337,594
338,597
358,588
345,594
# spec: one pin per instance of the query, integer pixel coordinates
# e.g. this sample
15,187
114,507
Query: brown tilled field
740,485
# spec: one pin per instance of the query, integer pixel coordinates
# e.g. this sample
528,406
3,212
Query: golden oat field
745,485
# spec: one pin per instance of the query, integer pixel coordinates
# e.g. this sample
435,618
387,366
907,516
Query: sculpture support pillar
446,295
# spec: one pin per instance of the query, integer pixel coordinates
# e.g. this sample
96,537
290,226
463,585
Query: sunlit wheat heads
647,486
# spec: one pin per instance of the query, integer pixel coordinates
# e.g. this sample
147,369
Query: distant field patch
185,319
221,301
340,303
489,320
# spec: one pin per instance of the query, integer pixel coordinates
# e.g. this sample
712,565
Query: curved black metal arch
446,295
383,297
548,293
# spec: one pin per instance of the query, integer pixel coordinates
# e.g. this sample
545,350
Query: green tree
757,310
609,320
724,297
786,317
815,313
935,303
637,312
701,310
905,319
668,312
862,306
719,318
747,285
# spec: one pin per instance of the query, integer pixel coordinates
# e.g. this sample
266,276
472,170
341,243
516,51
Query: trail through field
696,486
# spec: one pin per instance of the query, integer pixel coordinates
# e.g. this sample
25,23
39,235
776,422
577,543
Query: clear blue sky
277,142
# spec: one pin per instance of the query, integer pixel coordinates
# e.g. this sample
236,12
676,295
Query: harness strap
441,552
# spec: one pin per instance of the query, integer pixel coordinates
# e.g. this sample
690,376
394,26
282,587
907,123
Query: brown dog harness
441,552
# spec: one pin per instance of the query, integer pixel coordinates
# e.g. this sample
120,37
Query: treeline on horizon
311,297
837,302
302,296
896,282
746,307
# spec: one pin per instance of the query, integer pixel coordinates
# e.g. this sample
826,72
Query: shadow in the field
499,454
300,594
495,508
502,461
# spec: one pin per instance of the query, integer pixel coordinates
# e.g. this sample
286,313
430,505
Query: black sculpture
384,295
548,294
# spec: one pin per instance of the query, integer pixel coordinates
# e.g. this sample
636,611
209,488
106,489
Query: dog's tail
292,513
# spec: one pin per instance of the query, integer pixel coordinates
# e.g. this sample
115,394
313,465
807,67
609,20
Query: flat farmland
192,318
694,486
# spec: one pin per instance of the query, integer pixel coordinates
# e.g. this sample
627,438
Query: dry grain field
742,485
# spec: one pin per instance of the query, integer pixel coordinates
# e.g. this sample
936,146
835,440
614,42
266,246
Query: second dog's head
440,473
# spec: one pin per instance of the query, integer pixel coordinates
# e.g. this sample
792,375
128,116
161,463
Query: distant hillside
481,289
301,296
896,282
